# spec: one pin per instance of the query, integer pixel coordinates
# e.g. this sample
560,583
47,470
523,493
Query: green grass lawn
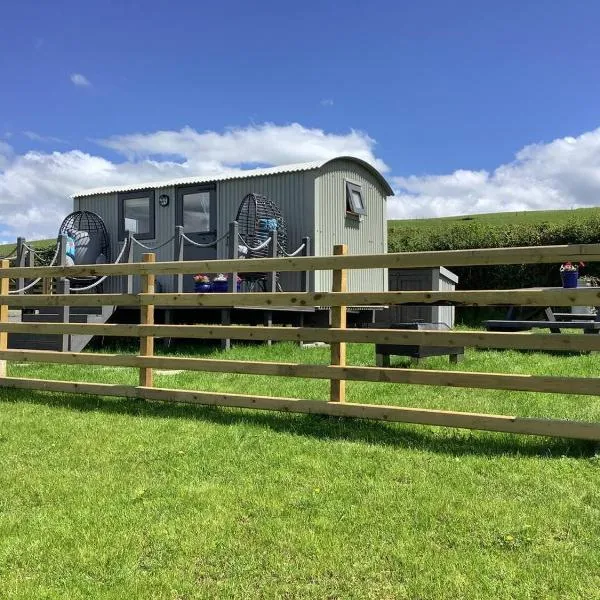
113,498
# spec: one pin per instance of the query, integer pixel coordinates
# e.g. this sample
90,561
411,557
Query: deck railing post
129,260
4,283
147,318
21,258
338,320
63,286
178,255
305,275
232,252
271,280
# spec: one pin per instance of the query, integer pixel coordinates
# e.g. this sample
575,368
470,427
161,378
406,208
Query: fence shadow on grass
323,427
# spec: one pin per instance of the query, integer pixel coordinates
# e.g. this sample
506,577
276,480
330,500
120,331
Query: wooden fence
337,335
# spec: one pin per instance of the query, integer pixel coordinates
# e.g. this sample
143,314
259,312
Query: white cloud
327,102
564,173
35,186
264,144
36,137
80,80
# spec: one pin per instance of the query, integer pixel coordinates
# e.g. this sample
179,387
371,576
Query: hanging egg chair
90,237
88,243
257,218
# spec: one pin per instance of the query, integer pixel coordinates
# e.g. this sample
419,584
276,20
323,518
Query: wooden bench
383,352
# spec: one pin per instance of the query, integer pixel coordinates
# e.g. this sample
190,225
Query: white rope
209,245
152,247
294,253
32,250
259,247
93,285
36,281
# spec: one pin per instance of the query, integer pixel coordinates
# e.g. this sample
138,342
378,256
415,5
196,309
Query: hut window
354,199
137,214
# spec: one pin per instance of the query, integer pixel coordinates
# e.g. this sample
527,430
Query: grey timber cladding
292,192
364,235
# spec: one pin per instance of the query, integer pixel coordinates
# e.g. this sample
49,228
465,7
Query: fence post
4,283
338,320
305,275
232,252
147,318
178,256
129,260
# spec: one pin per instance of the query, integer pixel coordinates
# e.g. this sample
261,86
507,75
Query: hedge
480,235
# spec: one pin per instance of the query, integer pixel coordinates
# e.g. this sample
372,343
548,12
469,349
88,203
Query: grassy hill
6,249
503,219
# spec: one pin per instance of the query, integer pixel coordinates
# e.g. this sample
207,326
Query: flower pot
202,288
219,286
569,279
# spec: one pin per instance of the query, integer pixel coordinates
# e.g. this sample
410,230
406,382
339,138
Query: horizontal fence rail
523,297
398,260
452,339
337,372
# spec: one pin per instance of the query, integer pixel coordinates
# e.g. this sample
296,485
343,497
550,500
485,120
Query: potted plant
202,283
219,283
569,274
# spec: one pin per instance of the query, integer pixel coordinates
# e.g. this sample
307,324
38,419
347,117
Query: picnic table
555,322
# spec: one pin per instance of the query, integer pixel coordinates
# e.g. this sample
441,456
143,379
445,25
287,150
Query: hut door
196,211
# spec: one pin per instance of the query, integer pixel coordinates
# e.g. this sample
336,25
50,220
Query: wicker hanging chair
91,240
257,218
90,236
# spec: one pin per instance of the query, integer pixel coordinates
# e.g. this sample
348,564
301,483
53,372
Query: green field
501,219
6,249
112,498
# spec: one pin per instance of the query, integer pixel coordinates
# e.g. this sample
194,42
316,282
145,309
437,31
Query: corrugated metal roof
308,166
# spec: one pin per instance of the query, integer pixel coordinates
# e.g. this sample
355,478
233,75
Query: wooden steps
72,343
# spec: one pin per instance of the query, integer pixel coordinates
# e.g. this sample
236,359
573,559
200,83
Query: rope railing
294,253
32,249
151,248
259,247
209,245
102,279
36,281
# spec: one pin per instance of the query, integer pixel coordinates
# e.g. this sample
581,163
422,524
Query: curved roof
237,174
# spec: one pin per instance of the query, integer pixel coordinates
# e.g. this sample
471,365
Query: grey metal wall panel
107,206
294,195
332,226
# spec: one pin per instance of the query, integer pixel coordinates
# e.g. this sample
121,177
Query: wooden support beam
147,318
337,391
4,283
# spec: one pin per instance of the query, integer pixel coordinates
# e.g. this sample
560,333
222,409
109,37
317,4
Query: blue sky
439,93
